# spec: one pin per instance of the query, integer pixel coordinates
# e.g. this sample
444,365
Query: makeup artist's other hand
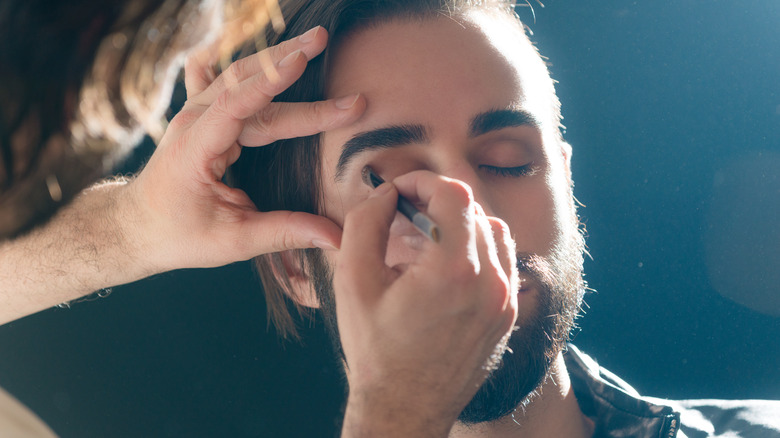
416,341
188,217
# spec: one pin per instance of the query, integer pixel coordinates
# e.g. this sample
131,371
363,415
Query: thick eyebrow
401,135
497,119
383,138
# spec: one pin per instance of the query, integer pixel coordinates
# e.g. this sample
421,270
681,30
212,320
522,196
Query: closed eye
510,172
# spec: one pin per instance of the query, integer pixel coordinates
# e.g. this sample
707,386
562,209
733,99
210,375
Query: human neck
554,412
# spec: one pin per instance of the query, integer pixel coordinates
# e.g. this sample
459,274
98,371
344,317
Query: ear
566,151
300,288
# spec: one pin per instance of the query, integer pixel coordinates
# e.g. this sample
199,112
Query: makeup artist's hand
196,220
416,341
177,213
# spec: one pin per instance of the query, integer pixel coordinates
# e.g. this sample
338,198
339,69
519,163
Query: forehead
418,71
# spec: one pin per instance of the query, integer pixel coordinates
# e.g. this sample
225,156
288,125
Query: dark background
673,109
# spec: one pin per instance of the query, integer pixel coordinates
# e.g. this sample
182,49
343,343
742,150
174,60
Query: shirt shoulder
620,411
727,418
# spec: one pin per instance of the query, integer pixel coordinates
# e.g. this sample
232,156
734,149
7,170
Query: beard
526,357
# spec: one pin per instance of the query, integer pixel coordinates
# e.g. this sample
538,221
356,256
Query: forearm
87,246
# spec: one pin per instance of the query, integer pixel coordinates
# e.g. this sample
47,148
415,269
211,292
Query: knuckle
269,85
276,52
267,116
233,74
222,103
230,105
184,118
283,240
500,228
502,234
458,191
315,115
262,123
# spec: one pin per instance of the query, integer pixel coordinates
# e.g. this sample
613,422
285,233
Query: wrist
382,413
134,228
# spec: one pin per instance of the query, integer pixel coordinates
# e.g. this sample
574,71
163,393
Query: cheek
533,219
334,207
339,199
335,203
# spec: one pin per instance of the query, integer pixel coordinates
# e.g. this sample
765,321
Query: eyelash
511,172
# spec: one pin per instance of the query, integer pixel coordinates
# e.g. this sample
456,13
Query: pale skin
177,213
457,296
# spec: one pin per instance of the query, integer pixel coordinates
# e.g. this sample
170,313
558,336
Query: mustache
537,269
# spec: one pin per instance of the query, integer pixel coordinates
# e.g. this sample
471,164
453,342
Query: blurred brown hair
81,81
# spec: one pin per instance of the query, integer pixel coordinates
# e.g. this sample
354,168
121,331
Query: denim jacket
620,412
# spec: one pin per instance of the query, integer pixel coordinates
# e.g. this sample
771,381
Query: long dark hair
285,175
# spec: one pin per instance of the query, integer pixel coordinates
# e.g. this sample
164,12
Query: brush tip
435,236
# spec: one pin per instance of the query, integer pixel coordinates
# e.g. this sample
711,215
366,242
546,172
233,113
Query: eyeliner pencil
418,218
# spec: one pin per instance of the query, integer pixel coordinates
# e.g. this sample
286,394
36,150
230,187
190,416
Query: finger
199,69
281,120
266,232
361,262
494,275
507,254
449,203
203,86
505,249
489,264
219,166
221,124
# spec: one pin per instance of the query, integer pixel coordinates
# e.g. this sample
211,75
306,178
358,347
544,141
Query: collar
616,408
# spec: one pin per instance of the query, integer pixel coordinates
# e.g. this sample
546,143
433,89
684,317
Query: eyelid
506,147
512,172
523,137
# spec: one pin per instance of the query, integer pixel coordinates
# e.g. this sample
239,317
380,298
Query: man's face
469,102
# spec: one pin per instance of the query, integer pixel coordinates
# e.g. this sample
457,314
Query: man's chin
548,307
515,382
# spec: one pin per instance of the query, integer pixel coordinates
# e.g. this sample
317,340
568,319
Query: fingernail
321,244
346,102
289,58
309,35
383,189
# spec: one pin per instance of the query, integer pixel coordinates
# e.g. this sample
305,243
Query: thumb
366,230
277,231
